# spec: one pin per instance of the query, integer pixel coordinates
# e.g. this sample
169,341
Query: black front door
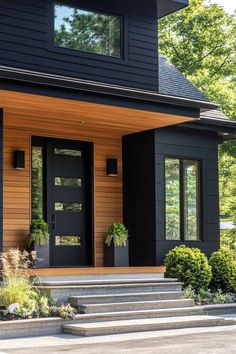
69,202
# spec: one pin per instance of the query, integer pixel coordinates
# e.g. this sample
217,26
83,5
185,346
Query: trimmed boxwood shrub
190,266
223,271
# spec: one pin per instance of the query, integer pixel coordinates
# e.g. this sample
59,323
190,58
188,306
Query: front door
69,202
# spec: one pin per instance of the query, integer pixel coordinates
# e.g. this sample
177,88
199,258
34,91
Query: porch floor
95,270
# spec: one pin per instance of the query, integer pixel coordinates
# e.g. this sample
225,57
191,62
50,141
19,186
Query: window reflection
87,31
37,182
172,190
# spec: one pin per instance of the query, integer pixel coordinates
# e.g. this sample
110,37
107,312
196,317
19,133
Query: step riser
138,297
135,306
138,316
141,328
62,294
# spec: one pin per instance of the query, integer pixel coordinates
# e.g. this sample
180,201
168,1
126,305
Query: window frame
181,196
82,53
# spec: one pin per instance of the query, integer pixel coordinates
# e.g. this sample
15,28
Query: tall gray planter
42,253
116,256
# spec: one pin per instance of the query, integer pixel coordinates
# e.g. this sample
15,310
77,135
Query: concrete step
141,314
142,325
102,277
133,306
63,292
80,282
135,297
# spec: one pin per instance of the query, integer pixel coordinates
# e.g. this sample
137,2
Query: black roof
172,82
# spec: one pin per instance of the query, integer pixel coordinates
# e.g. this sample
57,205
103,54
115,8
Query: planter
42,256
116,256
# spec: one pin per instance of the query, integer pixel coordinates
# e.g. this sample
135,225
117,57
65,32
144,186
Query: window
37,182
87,31
182,199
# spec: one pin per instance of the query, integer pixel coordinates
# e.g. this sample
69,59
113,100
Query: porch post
1,179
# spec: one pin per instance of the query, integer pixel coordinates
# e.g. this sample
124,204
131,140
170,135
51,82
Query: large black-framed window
87,30
182,199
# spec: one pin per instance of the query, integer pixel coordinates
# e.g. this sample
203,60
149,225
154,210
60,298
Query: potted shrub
116,250
38,241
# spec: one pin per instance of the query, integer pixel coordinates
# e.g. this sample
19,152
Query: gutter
66,82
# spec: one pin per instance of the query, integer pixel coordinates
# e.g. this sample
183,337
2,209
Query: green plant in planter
117,234
38,233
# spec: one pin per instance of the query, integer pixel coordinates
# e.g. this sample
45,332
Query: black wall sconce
19,159
112,169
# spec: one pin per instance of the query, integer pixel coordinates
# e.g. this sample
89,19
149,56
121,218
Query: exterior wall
139,196
144,196
18,130
199,145
26,32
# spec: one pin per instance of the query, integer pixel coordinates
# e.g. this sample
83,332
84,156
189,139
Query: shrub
118,234
38,233
207,297
223,271
190,266
18,288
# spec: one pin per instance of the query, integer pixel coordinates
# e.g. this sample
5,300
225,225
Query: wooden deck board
96,270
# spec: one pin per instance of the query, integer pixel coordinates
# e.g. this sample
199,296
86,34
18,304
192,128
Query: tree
200,42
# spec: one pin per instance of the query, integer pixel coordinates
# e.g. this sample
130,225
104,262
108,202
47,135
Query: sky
229,5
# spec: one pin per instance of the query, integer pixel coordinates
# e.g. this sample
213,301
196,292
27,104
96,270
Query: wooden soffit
25,109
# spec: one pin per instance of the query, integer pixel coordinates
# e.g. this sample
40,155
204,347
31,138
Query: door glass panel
191,200
68,241
37,182
68,206
68,152
172,198
68,182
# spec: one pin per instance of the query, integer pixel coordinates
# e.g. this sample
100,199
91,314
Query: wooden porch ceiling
41,111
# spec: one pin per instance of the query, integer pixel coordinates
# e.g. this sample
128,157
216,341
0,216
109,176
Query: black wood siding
139,196
199,145
144,195
25,33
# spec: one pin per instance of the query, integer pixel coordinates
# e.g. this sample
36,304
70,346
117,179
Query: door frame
42,141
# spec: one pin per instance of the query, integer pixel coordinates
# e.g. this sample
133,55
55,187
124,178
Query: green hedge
223,271
189,265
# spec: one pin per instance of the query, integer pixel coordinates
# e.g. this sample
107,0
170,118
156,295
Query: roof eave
34,77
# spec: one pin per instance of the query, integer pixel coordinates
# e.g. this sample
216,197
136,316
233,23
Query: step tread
175,311
147,321
107,304
106,281
107,286
105,296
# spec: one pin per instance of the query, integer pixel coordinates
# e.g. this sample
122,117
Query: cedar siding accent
26,42
27,115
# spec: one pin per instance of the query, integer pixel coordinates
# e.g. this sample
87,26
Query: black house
81,83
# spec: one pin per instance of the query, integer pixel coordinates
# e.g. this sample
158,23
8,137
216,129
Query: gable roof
172,82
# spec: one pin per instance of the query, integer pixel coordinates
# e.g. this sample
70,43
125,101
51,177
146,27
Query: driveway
189,341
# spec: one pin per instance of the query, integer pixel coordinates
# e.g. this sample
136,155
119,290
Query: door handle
53,222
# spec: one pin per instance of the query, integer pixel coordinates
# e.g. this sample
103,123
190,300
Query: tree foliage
200,42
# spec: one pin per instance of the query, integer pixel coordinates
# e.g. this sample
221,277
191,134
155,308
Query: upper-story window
87,31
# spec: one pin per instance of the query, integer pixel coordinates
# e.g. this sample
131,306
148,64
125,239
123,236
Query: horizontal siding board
24,43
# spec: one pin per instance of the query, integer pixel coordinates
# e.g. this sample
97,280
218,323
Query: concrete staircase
127,303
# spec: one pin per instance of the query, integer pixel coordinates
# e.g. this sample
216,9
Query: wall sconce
112,169
19,159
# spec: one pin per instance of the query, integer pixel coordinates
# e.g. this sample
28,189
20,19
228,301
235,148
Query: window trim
181,194
87,54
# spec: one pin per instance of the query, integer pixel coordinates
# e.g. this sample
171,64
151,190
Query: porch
26,116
